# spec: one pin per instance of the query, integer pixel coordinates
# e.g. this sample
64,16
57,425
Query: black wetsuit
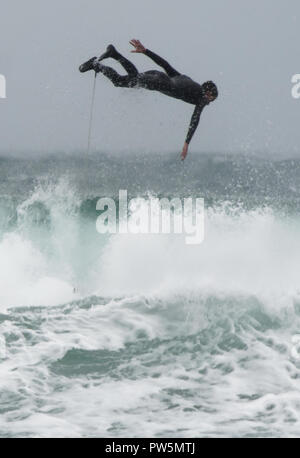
171,83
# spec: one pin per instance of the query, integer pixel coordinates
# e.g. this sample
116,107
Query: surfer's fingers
135,43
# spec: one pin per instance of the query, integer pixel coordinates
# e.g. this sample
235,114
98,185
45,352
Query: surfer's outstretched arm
193,126
139,48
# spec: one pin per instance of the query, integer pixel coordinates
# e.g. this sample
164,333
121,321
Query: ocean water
142,336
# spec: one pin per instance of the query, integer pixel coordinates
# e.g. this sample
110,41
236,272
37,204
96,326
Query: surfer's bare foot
184,151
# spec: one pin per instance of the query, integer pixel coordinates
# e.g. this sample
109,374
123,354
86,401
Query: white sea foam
177,341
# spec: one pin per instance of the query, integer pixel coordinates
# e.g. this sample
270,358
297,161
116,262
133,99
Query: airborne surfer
171,83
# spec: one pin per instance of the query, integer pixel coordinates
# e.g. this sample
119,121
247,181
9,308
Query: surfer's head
210,91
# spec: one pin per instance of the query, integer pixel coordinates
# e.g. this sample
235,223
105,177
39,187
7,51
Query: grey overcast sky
250,48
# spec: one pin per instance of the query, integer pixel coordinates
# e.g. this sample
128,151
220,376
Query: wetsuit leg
112,53
115,78
126,64
155,81
152,80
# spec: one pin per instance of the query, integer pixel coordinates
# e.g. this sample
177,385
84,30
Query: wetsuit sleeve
162,63
194,122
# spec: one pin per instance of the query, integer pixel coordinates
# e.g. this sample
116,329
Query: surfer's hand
184,151
138,46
